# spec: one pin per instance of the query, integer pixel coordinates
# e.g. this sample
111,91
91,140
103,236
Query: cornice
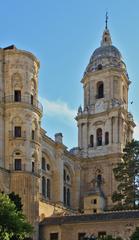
101,158
111,70
24,106
20,52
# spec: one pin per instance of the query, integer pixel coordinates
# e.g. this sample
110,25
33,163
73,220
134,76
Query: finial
106,21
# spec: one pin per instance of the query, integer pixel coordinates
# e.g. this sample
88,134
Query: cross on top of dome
106,38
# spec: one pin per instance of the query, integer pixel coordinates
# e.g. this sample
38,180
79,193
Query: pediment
98,123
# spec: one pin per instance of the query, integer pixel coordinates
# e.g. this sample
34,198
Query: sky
63,34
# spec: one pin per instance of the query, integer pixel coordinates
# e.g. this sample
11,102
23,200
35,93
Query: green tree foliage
12,221
127,175
17,200
135,235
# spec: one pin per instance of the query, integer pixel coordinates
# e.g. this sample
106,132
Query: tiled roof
107,216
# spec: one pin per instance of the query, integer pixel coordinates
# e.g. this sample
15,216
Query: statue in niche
97,182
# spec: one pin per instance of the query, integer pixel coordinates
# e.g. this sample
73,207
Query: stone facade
51,180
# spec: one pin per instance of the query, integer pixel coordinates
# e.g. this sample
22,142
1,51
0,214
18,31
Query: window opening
91,141
32,99
18,164
53,236
68,197
106,138
43,163
48,167
100,90
64,175
33,135
33,167
99,67
48,188
81,236
99,137
43,186
65,197
17,96
17,153
67,187
17,131
68,178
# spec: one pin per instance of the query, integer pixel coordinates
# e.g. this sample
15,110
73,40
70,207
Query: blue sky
63,34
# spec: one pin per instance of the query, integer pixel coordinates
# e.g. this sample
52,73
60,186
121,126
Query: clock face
99,106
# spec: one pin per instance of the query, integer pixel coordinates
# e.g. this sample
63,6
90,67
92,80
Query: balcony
25,100
21,137
24,168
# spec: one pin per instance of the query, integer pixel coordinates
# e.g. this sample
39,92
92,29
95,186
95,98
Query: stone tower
104,123
20,126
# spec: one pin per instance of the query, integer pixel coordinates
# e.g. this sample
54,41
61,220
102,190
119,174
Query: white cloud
136,131
58,109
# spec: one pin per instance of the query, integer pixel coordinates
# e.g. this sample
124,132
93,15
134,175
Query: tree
127,175
135,235
12,221
17,200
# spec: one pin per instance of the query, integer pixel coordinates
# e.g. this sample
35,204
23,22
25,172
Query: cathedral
66,195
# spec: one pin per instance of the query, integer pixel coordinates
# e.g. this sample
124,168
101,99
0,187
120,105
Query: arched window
16,81
33,90
43,187
91,141
99,137
106,138
47,175
64,195
48,188
48,166
43,163
64,175
67,187
68,197
100,90
99,67
34,131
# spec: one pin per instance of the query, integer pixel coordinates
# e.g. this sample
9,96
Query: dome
105,56
106,51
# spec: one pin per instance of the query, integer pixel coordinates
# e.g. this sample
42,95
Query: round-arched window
67,187
100,90
99,137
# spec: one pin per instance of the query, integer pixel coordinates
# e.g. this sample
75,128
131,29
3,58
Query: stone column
79,136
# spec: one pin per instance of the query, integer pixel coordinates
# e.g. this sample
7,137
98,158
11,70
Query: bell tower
104,122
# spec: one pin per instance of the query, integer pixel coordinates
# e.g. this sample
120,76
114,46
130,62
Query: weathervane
106,21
